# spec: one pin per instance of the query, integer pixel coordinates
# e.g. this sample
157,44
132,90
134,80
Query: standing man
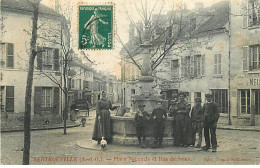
141,118
159,114
211,116
196,121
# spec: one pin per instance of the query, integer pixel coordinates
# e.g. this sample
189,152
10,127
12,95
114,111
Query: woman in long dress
182,123
102,127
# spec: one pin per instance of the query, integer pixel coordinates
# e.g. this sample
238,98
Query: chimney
199,6
57,6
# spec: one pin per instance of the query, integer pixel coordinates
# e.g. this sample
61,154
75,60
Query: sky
108,60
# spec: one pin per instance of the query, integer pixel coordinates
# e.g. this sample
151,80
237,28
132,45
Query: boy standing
140,123
196,122
159,114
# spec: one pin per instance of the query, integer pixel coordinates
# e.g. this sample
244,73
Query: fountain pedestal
123,128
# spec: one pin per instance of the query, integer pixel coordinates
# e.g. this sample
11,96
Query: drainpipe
229,66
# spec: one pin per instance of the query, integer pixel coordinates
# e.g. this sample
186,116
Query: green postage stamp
95,26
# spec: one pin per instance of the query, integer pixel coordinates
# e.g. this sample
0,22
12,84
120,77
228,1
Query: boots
155,145
139,143
143,144
160,143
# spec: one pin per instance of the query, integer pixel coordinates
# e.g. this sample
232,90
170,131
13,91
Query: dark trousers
140,132
212,129
196,128
158,131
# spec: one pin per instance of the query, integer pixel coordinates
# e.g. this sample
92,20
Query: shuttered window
7,98
245,101
255,57
7,55
46,99
197,66
253,13
217,64
48,59
220,97
175,68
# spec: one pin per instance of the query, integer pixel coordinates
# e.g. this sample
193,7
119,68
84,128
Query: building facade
15,42
245,62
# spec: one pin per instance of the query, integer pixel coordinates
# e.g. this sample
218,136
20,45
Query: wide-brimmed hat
141,105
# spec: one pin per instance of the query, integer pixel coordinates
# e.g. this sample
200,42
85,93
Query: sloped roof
219,17
24,5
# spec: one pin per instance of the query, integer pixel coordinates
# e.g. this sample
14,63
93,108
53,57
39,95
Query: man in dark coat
141,118
211,116
196,122
159,114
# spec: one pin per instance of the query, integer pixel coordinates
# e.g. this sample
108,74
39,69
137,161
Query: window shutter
183,67
10,55
9,98
56,59
75,95
192,66
37,100
215,63
245,58
56,100
203,65
245,15
250,11
219,63
39,58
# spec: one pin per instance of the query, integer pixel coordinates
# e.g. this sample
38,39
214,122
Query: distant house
81,83
15,43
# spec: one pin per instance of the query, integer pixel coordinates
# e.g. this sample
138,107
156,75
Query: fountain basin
124,131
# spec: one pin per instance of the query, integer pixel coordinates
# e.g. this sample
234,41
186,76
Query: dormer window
192,24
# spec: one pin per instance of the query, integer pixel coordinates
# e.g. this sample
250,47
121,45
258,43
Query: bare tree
162,39
28,94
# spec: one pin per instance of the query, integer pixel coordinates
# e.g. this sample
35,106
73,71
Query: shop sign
254,82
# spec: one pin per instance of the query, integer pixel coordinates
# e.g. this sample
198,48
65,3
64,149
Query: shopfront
246,92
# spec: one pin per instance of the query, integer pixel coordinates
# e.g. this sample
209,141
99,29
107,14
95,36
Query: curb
43,128
239,129
135,149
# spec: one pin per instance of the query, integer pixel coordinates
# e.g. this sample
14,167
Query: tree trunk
65,109
28,94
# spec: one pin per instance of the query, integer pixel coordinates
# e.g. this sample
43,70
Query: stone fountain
123,128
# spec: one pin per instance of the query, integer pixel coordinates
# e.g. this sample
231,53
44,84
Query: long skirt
102,128
182,130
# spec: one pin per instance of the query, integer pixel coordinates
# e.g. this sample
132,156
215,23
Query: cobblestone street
50,147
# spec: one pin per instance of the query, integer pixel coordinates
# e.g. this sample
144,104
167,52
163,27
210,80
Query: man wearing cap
196,122
159,114
141,118
211,116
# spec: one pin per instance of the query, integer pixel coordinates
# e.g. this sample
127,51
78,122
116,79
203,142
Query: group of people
187,122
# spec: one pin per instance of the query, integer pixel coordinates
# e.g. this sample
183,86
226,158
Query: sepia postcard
130,82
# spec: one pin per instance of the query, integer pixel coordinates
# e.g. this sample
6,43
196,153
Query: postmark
95,26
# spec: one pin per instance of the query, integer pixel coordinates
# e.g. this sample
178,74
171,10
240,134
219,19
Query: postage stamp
95,26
